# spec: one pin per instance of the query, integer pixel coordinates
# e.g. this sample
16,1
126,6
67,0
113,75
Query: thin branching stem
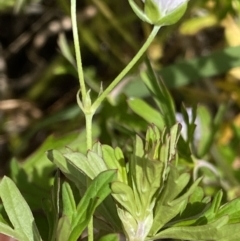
88,117
77,50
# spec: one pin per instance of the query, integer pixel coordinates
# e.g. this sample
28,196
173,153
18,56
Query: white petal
167,6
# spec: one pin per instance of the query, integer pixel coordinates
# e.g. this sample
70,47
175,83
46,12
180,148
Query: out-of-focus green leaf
206,127
189,71
209,128
39,163
194,25
148,113
65,49
161,95
6,4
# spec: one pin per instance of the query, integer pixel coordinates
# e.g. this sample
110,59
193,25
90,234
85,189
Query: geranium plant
138,195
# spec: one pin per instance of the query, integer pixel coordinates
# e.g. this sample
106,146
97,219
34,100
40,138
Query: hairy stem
77,50
82,102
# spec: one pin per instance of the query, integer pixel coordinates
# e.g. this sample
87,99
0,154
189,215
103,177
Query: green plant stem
143,49
88,118
77,50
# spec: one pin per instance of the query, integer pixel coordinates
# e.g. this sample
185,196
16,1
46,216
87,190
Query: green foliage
153,199
147,177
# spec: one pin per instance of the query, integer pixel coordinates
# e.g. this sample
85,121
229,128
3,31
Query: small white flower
167,6
160,12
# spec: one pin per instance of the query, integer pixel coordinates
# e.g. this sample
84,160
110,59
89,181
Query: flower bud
160,12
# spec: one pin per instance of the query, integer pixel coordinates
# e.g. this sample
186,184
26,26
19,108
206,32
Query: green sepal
172,17
152,11
138,11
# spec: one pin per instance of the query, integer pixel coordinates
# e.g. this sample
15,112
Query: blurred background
198,59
